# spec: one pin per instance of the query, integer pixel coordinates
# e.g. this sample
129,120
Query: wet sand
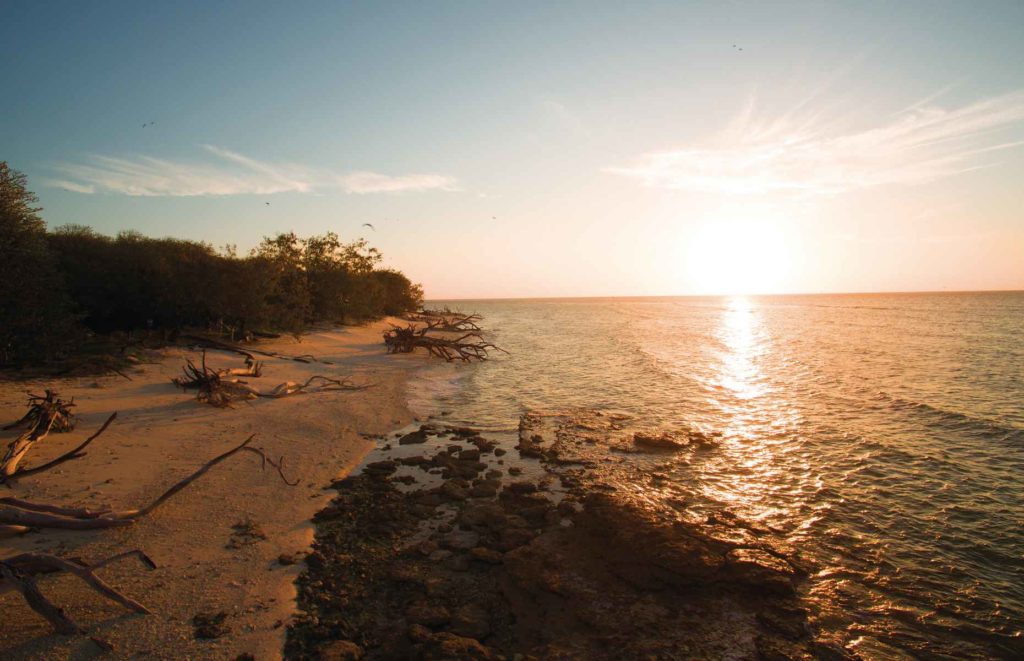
206,562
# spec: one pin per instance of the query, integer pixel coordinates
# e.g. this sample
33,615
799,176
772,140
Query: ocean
882,435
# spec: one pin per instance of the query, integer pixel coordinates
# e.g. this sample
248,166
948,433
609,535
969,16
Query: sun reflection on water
755,464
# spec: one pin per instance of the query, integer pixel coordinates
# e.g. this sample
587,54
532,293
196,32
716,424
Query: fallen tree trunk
467,347
24,514
223,346
46,413
19,572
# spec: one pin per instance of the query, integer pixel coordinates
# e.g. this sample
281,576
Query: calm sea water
882,435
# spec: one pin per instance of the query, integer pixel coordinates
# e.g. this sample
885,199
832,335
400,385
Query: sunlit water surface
882,435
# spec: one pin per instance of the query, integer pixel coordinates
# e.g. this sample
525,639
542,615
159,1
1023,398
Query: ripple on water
882,435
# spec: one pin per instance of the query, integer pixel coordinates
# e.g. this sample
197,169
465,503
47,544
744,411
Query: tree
35,322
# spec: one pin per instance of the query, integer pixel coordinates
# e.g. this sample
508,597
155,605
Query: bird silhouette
267,203
370,226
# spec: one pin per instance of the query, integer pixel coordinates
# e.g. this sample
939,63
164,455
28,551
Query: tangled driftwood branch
67,456
450,322
218,391
46,413
19,573
469,346
18,515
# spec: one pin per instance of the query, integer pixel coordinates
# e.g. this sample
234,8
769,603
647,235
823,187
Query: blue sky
550,148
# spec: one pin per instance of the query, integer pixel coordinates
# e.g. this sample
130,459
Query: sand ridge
204,564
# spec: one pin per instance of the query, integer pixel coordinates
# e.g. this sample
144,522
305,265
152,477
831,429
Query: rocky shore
450,545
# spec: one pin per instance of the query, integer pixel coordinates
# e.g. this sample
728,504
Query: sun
731,256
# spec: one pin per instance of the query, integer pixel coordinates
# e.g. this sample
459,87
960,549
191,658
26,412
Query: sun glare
737,256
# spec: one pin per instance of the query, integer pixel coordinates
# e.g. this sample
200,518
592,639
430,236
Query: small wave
956,420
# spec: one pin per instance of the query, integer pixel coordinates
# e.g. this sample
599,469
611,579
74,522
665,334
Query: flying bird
267,203
370,226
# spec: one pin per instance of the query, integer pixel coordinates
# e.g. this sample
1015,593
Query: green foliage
35,322
132,282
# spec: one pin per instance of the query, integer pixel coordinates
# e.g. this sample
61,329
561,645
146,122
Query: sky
542,149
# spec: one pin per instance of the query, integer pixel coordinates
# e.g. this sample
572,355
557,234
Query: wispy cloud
800,154
70,186
225,172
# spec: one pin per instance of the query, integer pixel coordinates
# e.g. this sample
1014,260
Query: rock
428,614
341,650
537,515
489,515
210,625
418,460
461,540
515,470
455,447
457,562
288,559
471,621
486,555
512,538
418,436
522,487
453,491
463,432
664,441
439,555
418,633
385,467
499,452
450,647
484,490
493,474
469,455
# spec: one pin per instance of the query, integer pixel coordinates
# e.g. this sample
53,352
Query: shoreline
449,544
230,543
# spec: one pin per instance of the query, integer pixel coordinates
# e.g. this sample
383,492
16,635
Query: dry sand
162,434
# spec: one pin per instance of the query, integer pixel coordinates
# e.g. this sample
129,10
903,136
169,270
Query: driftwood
466,347
46,413
224,346
216,390
451,322
16,515
200,377
67,456
19,573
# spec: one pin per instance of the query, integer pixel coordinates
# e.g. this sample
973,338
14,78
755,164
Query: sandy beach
206,562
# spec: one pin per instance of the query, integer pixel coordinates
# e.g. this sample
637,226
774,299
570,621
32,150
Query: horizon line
776,295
